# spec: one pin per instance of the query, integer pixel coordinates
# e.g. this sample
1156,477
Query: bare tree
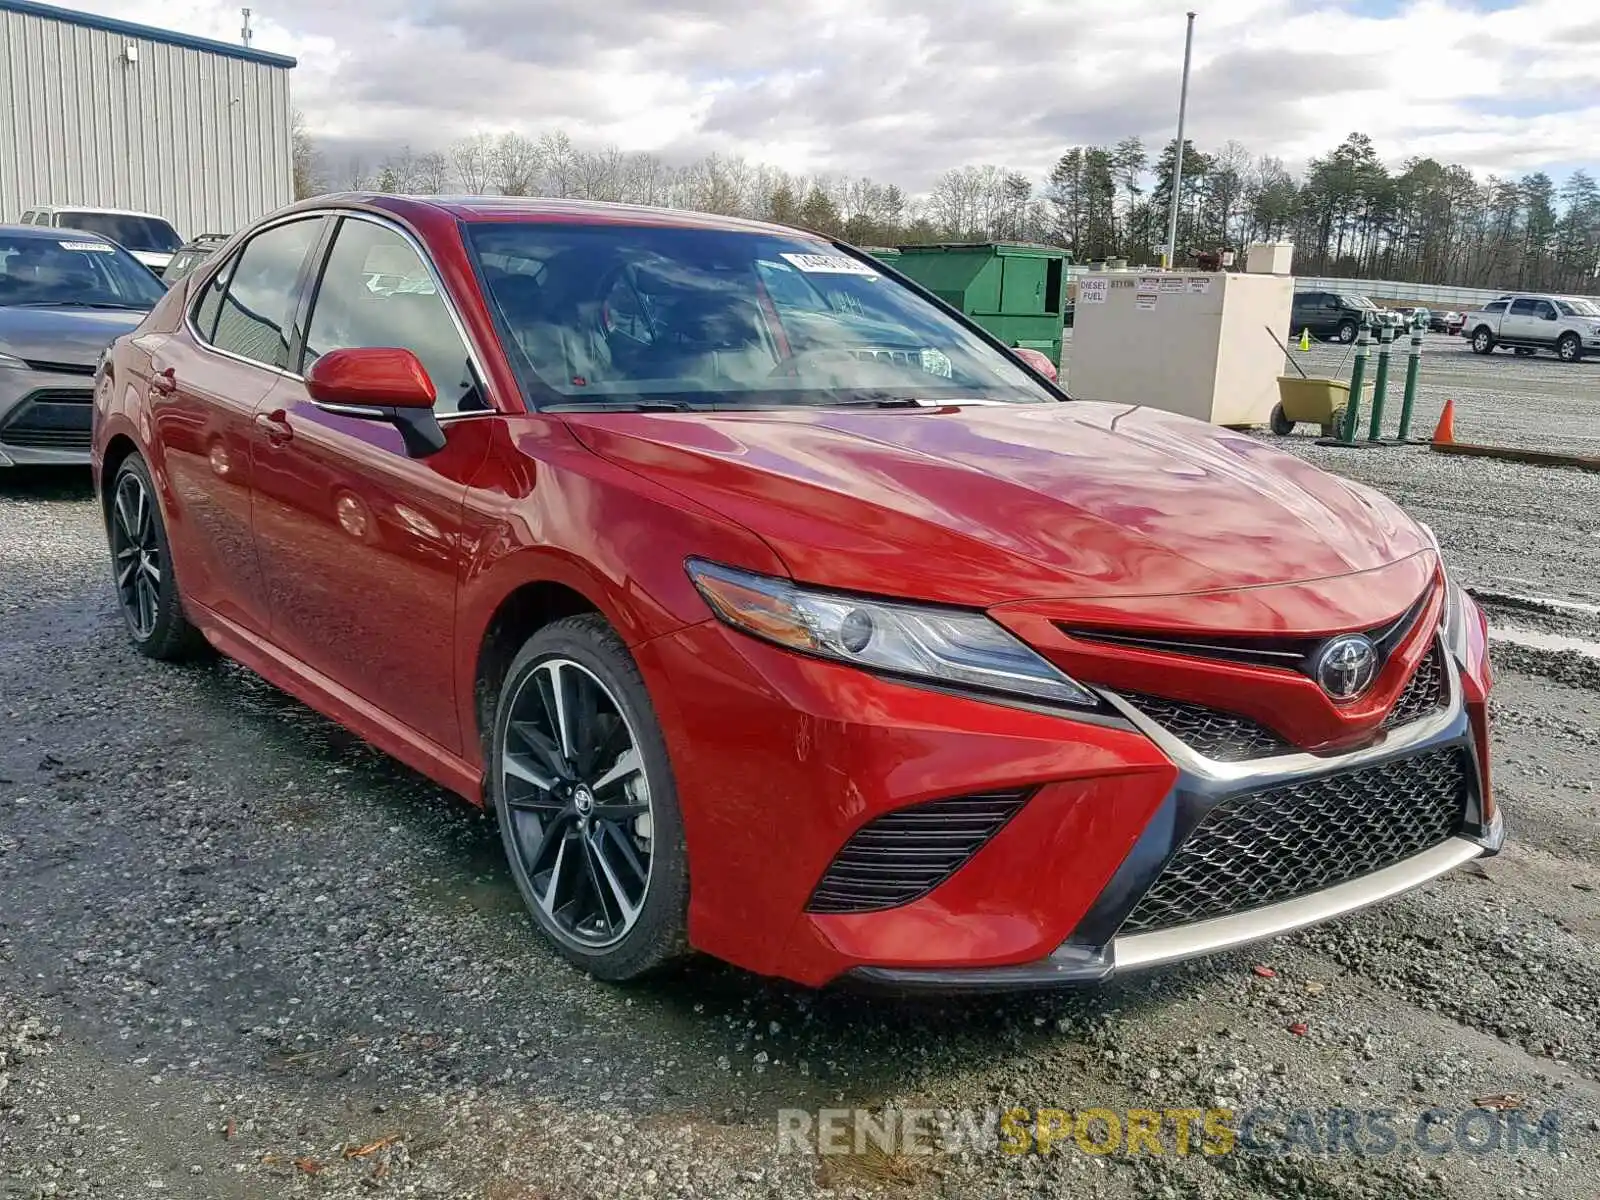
355,175
516,164
557,159
474,161
432,174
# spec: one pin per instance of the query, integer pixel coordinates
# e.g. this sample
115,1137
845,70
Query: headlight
9,361
962,649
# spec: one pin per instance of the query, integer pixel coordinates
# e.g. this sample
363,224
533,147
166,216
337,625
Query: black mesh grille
1221,736
1263,847
905,854
56,418
1423,695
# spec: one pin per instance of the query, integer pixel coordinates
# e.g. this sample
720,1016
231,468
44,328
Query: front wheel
1347,331
141,568
1281,425
1569,348
583,791
1482,342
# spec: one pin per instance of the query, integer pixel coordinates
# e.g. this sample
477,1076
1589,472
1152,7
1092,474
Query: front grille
1260,848
1220,736
51,418
1424,693
906,854
1285,653
61,368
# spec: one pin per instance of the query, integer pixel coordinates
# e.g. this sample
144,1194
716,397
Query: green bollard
1380,382
1358,376
1413,369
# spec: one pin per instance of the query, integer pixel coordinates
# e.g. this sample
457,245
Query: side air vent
902,855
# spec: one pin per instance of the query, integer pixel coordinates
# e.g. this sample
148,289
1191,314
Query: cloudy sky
902,89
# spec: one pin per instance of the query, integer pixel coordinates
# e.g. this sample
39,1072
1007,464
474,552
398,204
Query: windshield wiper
885,401
76,304
630,406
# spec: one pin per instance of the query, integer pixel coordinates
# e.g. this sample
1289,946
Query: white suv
1527,323
149,238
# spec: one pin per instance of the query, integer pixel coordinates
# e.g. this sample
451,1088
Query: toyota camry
777,611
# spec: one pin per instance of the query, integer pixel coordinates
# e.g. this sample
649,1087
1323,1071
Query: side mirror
1038,360
380,383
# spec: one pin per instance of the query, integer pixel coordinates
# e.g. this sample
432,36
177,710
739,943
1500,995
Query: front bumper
45,417
781,760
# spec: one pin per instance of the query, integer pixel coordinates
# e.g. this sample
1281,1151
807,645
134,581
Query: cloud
903,89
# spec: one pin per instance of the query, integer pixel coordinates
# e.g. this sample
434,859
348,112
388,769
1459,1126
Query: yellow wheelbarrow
1310,400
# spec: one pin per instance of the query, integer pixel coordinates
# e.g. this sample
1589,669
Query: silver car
65,296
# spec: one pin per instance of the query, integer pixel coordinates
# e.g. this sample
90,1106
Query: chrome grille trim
1263,771
1152,949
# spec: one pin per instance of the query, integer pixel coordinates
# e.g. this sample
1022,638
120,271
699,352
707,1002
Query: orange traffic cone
1445,432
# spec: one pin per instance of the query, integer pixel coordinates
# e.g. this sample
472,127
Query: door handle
164,382
275,425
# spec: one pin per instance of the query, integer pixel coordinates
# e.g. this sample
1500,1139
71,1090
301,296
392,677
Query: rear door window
254,318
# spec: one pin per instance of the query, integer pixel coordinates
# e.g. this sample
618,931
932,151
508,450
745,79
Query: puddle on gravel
1537,640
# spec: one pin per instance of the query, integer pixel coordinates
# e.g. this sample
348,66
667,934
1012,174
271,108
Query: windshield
1581,307
126,229
71,269
618,315
1359,302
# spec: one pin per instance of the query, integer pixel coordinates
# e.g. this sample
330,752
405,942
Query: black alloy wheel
585,802
141,568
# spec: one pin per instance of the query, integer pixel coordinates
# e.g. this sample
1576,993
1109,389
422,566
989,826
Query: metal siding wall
202,139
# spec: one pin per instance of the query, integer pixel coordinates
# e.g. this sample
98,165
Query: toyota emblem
1346,666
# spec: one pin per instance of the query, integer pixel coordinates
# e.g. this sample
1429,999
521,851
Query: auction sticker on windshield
829,264
103,247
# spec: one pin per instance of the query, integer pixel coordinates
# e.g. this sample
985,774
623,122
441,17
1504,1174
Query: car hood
63,335
981,505
156,260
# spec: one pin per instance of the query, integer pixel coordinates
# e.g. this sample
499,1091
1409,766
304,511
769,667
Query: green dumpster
1013,289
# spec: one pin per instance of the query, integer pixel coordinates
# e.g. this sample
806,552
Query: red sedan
778,611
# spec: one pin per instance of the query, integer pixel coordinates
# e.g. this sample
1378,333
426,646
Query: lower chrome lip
1223,933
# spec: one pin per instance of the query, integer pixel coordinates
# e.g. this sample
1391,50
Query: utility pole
244,32
1171,254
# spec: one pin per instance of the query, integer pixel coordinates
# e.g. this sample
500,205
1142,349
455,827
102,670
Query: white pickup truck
1528,323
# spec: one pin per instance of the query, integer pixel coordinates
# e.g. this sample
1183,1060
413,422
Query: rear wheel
1569,348
1281,425
584,795
1482,340
141,567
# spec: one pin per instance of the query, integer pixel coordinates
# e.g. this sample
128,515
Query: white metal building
105,113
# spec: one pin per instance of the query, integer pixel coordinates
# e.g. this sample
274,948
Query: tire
1482,340
1569,349
1281,425
141,569
1347,331
612,893
1330,429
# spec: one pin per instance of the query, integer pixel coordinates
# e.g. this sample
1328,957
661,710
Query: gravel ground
244,955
